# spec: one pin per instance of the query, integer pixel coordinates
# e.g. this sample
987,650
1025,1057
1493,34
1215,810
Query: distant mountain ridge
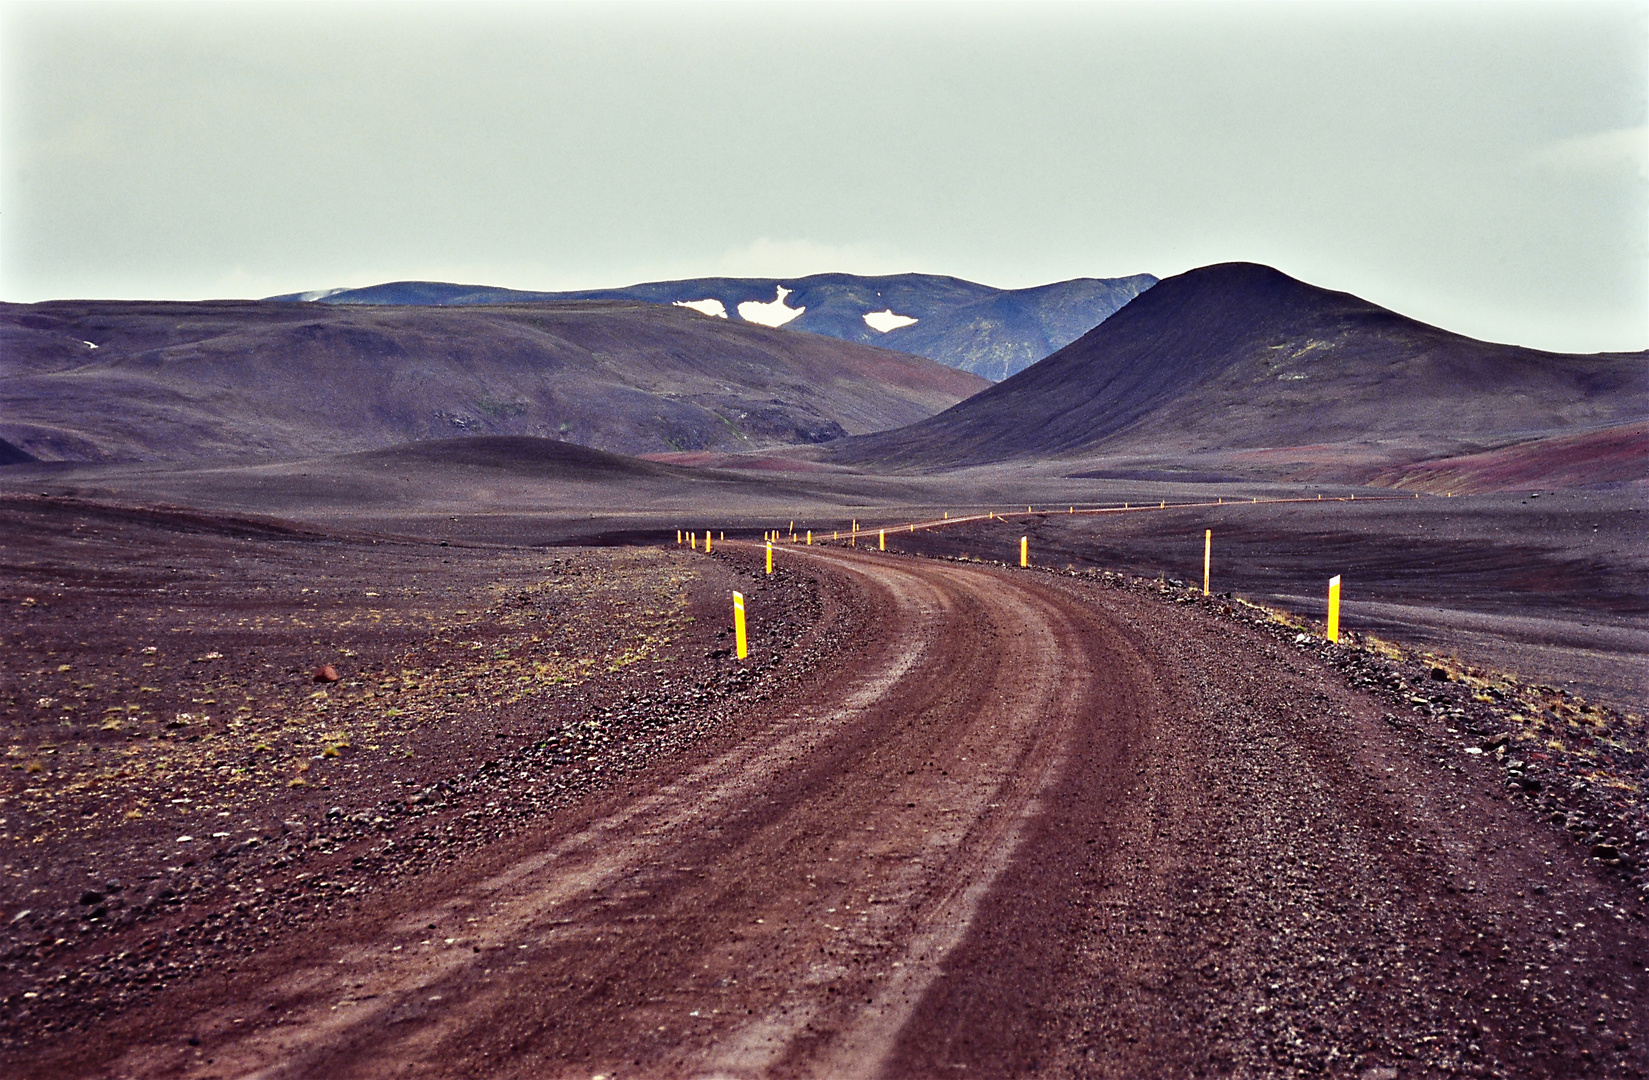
993,333
113,380
1243,361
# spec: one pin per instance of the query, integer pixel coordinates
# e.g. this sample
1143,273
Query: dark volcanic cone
1242,358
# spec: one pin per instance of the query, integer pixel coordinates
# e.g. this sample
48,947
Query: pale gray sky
1479,166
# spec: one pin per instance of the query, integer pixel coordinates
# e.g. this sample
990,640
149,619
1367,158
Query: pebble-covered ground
1581,765
183,782
182,788
1325,859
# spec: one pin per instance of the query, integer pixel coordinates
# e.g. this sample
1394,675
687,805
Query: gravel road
1025,824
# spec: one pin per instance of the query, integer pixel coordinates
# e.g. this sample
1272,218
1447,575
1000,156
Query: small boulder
326,673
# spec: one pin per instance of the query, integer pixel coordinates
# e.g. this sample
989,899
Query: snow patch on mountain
770,314
883,321
712,306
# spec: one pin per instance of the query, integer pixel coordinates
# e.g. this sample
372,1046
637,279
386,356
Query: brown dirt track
1025,824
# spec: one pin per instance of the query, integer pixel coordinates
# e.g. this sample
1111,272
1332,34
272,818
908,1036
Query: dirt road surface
1032,825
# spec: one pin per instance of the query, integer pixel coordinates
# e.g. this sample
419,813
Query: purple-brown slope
1240,357
1612,455
99,380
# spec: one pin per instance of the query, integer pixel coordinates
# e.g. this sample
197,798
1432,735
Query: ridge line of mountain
988,331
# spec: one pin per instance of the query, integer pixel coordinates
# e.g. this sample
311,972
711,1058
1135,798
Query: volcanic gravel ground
1297,881
174,804
954,819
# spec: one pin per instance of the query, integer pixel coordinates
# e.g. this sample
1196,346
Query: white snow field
711,306
883,321
771,314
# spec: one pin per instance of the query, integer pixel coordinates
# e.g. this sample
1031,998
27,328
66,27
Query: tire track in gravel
1028,825
784,907
1287,885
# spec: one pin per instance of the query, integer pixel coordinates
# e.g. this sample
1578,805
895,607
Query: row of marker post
691,539
741,638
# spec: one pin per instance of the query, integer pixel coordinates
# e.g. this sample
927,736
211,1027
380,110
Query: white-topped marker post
739,638
1334,608
1207,557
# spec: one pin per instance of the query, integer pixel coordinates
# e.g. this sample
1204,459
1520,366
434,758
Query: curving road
1034,826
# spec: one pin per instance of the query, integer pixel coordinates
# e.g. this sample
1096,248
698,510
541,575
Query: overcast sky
1480,166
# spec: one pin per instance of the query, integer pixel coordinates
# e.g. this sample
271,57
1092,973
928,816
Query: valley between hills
373,706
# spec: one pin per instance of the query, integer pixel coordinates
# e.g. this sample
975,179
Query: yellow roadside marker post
739,638
707,541
693,541
1164,505
810,538
724,536
770,556
1207,557
881,540
1024,551
678,537
1334,608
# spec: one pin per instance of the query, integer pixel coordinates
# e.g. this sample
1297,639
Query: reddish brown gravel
968,821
